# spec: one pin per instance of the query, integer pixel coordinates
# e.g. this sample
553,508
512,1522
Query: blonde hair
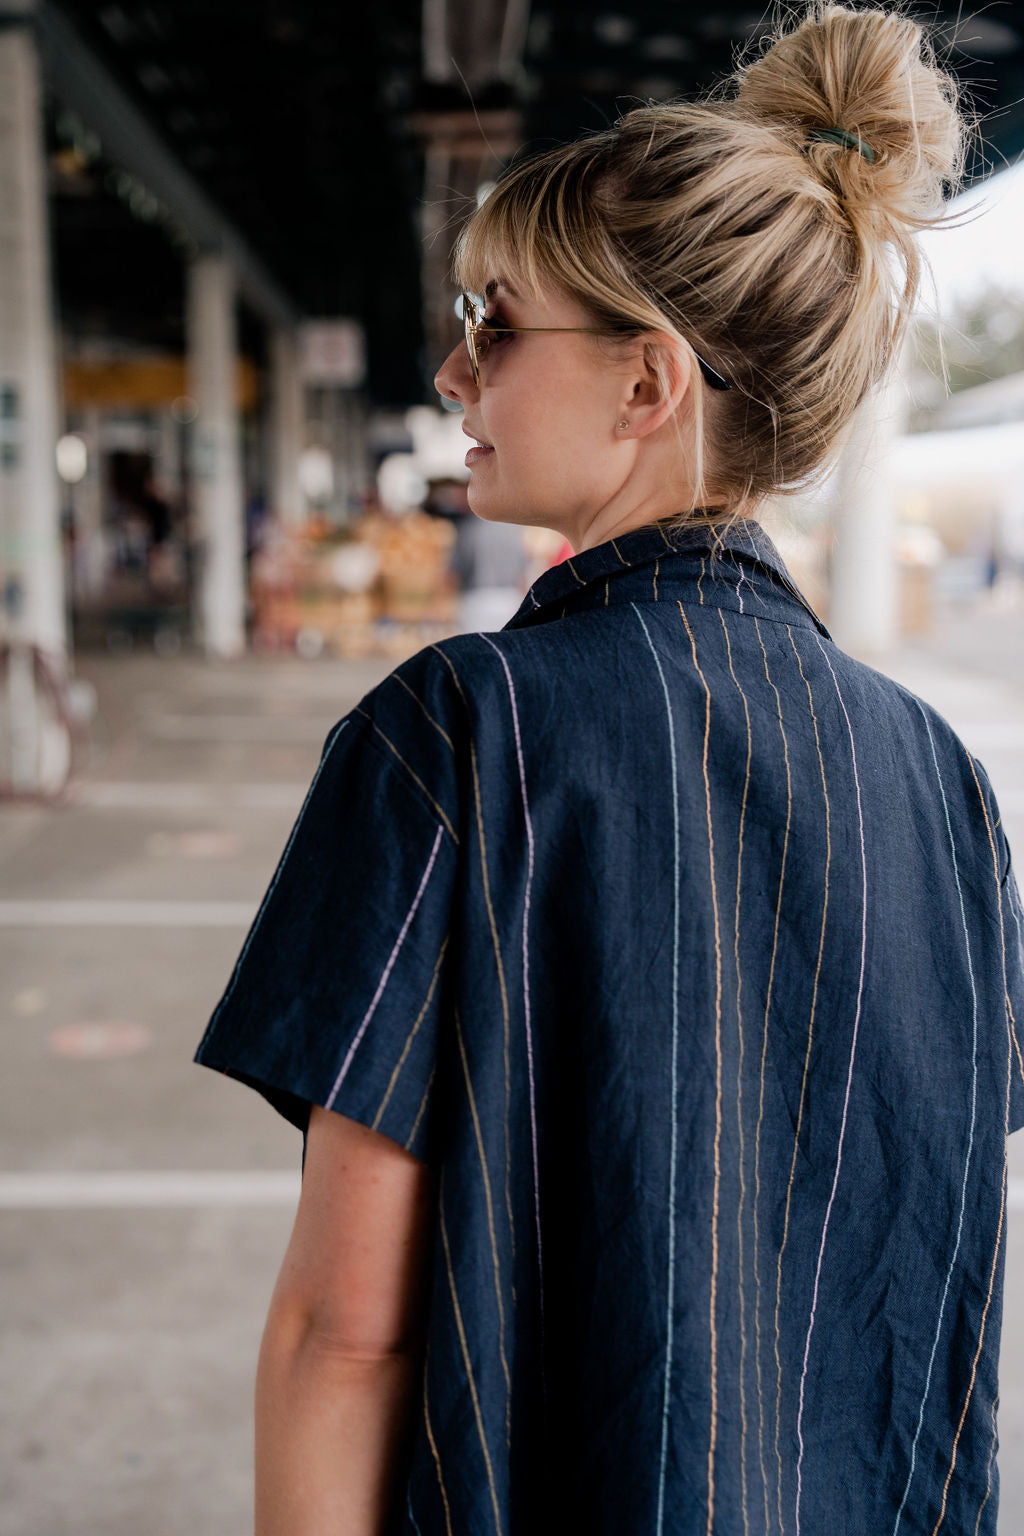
789,262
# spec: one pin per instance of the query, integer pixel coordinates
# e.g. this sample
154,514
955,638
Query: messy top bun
771,229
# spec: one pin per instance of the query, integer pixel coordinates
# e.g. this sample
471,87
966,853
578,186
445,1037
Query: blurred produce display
380,588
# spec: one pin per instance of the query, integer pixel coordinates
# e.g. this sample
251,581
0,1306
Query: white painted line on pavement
127,914
111,1191
140,796
75,1191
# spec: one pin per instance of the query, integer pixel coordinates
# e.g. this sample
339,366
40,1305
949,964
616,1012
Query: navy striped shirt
686,948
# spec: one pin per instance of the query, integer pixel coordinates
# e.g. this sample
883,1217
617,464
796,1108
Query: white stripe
126,914
849,1082
669,1321
73,1191
526,977
115,795
361,1031
970,1139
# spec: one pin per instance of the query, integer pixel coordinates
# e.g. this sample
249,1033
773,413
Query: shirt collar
589,573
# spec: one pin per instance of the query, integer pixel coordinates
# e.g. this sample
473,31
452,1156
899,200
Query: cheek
561,423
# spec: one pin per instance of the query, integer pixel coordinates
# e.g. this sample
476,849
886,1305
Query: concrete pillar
287,422
31,562
216,454
863,608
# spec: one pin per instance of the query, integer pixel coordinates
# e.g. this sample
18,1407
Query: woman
645,975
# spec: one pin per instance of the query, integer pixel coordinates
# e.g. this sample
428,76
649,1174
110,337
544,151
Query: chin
484,507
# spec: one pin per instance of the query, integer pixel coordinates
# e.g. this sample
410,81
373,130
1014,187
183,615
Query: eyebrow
496,283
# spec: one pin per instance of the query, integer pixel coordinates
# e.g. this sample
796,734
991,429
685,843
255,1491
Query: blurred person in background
645,976
489,562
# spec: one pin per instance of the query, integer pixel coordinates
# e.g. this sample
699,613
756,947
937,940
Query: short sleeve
336,998
1011,927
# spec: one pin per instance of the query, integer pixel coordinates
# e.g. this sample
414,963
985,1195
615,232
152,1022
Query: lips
480,451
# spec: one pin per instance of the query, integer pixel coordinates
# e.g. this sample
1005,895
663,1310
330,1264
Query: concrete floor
132,1311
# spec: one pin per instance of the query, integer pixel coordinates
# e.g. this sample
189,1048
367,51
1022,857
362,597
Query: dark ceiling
303,121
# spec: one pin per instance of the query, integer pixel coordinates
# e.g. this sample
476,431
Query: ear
659,383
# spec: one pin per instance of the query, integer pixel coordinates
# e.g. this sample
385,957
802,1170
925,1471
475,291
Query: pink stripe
361,1031
526,961
849,1080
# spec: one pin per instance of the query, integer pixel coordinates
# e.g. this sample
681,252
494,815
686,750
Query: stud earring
623,425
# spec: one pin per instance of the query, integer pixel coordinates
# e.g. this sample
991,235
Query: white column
863,607
286,427
31,563
216,454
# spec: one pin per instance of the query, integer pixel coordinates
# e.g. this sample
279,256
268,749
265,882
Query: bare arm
341,1350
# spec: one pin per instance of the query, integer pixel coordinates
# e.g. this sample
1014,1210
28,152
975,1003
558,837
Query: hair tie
847,140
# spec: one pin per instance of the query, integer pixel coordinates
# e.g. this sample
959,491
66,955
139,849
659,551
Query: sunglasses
480,332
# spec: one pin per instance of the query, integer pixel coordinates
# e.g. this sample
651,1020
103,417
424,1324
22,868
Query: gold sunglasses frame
474,321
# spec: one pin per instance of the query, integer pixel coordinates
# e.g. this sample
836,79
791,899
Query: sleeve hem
295,1107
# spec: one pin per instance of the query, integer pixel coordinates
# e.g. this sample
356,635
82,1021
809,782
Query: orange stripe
409,1039
497,960
423,1105
433,1448
718,1086
469,1368
417,700
1010,1020
490,1228
977,1353
413,775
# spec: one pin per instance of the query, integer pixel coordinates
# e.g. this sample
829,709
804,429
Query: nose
454,378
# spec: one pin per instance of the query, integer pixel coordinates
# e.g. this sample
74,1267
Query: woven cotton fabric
687,950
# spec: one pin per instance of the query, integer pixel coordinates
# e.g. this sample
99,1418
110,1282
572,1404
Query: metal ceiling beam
85,85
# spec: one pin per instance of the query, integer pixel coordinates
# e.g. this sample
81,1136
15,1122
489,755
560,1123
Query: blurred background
230,501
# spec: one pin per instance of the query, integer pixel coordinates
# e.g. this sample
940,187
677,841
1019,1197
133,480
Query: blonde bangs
535,229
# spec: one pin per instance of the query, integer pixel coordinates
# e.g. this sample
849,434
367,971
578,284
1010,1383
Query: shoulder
452,687
900,728
426,698
427,720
